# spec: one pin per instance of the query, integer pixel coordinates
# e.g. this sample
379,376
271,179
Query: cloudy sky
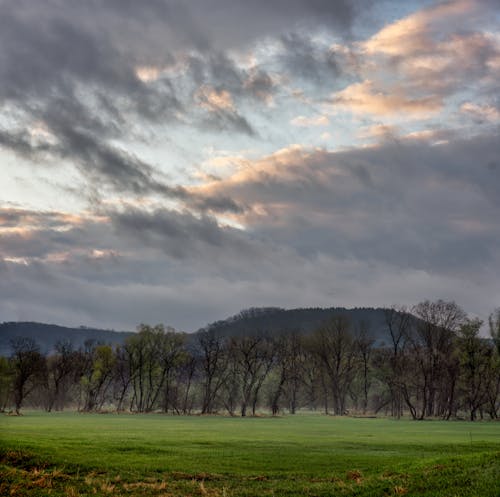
176,161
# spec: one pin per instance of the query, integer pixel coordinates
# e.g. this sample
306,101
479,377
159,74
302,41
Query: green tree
98,376
153,353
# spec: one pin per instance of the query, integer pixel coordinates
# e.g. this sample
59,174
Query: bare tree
254,355
336,347
364,343
288,371
28,367
493,392
214,361
494,325
60,368
398,321
6,377
474,361
433,347
122,376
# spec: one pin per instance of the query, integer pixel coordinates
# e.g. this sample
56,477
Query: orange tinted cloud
366,97
413,65
213,100
147,74
411,34
481,112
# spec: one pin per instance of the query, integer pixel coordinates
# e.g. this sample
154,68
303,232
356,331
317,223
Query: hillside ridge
269,320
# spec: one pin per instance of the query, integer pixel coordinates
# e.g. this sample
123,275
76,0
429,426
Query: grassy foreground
72,454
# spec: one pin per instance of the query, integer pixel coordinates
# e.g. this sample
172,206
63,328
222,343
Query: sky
174,162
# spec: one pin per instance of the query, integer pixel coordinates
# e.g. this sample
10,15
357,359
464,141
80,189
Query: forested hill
47,335
269,320
276,320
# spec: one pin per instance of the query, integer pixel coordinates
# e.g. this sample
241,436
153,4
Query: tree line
435,364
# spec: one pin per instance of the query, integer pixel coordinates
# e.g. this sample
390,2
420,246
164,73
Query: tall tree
474,361
288,371
254,355
28,367
6,377
494,325
122,376
336,347
153,354
213,364
433,348
61,366
493,396
398,321
98,375
364,344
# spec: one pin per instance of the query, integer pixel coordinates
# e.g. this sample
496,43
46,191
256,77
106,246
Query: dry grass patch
355,475
398,490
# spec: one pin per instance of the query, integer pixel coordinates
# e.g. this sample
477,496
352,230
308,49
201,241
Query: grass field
74,454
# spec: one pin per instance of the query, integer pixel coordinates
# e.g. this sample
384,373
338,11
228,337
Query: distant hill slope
47,335
269,320
277,320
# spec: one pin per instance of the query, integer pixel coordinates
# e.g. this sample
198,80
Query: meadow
71,454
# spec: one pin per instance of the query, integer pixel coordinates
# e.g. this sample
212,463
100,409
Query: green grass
108,454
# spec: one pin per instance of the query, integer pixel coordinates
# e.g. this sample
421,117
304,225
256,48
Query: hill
47,335
269,320
275,320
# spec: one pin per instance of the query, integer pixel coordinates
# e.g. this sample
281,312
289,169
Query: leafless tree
60,367
213,365
336,347
254,356
28,367
433,348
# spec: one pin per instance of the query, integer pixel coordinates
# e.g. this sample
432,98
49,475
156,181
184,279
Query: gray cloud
180,235
406,203
73,68
227,120
304,59
423,226
402,221
239,22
